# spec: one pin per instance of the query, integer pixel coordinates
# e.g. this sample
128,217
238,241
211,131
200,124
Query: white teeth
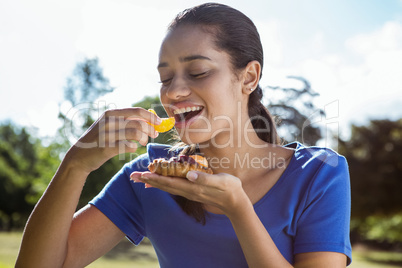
187,109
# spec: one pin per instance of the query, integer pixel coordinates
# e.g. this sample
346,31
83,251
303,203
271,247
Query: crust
175,169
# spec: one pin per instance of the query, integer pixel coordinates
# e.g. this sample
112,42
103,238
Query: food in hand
179,166
166,125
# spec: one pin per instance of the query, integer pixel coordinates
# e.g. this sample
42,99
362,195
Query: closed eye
198,74
165,82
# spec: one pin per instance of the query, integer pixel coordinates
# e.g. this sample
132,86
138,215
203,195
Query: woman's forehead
187,40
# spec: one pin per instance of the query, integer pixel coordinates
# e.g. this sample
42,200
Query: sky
350,52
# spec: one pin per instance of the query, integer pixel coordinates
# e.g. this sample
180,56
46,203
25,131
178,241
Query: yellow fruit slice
166,125
200,160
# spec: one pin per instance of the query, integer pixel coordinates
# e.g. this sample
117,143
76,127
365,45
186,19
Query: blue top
307,210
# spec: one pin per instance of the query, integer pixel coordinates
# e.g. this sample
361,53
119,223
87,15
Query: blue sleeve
120,201
324,222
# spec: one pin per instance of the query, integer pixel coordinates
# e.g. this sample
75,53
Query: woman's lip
181,105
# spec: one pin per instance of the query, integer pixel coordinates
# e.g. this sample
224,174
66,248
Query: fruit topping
166,125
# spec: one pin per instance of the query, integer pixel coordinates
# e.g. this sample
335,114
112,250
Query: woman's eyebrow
185,59
194,57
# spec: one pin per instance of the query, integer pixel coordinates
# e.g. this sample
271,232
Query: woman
266,205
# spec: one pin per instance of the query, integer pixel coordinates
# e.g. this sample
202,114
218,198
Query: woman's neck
238,154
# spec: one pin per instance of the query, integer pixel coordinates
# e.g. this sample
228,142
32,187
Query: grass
364,257
126,255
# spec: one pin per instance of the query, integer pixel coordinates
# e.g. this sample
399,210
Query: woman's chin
194,138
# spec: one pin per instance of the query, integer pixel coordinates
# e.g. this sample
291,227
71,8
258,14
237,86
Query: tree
295,112
83,89
374,154
24,167
86,84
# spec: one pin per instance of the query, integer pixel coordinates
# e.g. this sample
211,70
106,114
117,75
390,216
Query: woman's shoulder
314,169
316,155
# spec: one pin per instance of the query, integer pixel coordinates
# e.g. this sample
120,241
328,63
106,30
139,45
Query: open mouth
185,114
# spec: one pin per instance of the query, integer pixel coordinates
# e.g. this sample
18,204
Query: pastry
179,166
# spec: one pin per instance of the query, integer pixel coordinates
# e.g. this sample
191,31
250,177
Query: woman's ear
251,76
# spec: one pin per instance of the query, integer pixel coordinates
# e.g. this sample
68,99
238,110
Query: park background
331,74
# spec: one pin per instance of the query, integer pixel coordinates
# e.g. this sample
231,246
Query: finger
127,146
112,123
203,178
145,127
139,134
119,147
134,113
135,128
220,182
136,176
173,185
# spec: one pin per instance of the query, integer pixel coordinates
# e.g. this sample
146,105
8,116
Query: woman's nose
178,89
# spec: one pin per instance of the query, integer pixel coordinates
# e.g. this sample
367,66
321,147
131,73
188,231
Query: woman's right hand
115,132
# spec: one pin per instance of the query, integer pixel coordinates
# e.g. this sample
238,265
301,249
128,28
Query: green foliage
295,112
87,83
374,154
84,87
387,229
24,173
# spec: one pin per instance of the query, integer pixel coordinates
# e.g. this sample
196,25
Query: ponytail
261,119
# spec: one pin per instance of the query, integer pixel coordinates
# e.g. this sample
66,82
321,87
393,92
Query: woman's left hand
222,190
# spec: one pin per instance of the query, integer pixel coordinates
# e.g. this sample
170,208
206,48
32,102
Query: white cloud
45,119
272,40
126,37
41,41
366,80
388,38
381,52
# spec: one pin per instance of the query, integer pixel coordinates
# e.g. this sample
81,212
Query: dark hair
237,35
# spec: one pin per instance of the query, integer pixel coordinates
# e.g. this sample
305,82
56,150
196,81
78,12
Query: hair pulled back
237,35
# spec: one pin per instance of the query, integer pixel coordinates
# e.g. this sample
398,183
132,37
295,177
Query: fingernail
134,177
148,185
191,176
136,180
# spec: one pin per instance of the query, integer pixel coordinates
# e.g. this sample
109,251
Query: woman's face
199,86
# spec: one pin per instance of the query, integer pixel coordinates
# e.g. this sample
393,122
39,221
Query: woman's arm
53,236
226,193
257,245
260,250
